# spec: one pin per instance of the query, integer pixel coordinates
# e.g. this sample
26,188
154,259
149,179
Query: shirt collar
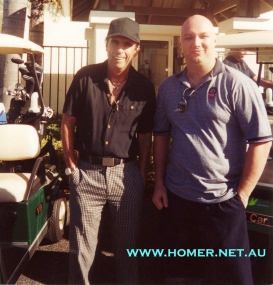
132,75
217,69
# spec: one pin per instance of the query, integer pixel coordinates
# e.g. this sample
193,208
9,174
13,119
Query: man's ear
137,50
180,44
106,41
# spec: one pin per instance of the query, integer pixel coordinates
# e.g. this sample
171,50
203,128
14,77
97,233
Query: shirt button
106,142
108,127
132,107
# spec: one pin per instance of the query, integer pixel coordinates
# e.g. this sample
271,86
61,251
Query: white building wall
60,64
59,30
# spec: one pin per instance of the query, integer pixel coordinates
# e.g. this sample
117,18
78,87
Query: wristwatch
69,170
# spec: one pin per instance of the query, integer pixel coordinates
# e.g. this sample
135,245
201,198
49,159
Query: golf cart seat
18,142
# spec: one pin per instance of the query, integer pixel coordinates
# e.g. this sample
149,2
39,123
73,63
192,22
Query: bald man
235,59
211,113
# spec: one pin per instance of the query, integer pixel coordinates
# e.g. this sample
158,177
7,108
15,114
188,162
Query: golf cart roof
14,45
252,40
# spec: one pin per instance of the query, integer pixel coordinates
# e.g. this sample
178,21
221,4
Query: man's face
120,51
197,40
238,53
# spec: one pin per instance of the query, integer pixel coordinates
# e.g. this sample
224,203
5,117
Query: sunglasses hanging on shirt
182,104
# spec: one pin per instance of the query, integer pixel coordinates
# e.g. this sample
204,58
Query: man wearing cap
111,108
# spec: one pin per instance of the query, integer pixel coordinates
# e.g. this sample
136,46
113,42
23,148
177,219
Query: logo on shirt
212,92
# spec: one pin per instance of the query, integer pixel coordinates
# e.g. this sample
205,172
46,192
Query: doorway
153,60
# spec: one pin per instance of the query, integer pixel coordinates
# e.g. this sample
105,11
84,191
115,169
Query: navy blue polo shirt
224,113
105,130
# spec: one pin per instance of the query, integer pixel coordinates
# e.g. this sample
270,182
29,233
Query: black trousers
206,240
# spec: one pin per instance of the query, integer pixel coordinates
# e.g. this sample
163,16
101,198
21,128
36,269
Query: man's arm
161,155
263,82
145,144
67,133
255,161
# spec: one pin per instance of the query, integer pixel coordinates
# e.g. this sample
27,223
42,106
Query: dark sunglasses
183,102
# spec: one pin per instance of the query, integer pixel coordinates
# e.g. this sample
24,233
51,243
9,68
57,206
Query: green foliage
37,8
58,3
54,129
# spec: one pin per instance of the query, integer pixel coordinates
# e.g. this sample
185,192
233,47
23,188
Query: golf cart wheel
57,221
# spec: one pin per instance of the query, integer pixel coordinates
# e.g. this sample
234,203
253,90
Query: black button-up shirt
105,130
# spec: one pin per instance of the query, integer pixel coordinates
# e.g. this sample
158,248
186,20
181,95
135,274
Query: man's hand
67,134
160,198
244,199
145,144
255,160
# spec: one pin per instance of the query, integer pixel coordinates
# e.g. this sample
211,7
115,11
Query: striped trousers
91,187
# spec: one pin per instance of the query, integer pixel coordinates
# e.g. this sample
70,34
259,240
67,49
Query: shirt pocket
128,118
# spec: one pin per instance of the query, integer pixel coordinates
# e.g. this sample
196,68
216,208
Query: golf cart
260,206
32,201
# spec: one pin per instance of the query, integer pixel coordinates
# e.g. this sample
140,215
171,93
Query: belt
104,161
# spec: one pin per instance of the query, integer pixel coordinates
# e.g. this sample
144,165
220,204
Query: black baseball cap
124,27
